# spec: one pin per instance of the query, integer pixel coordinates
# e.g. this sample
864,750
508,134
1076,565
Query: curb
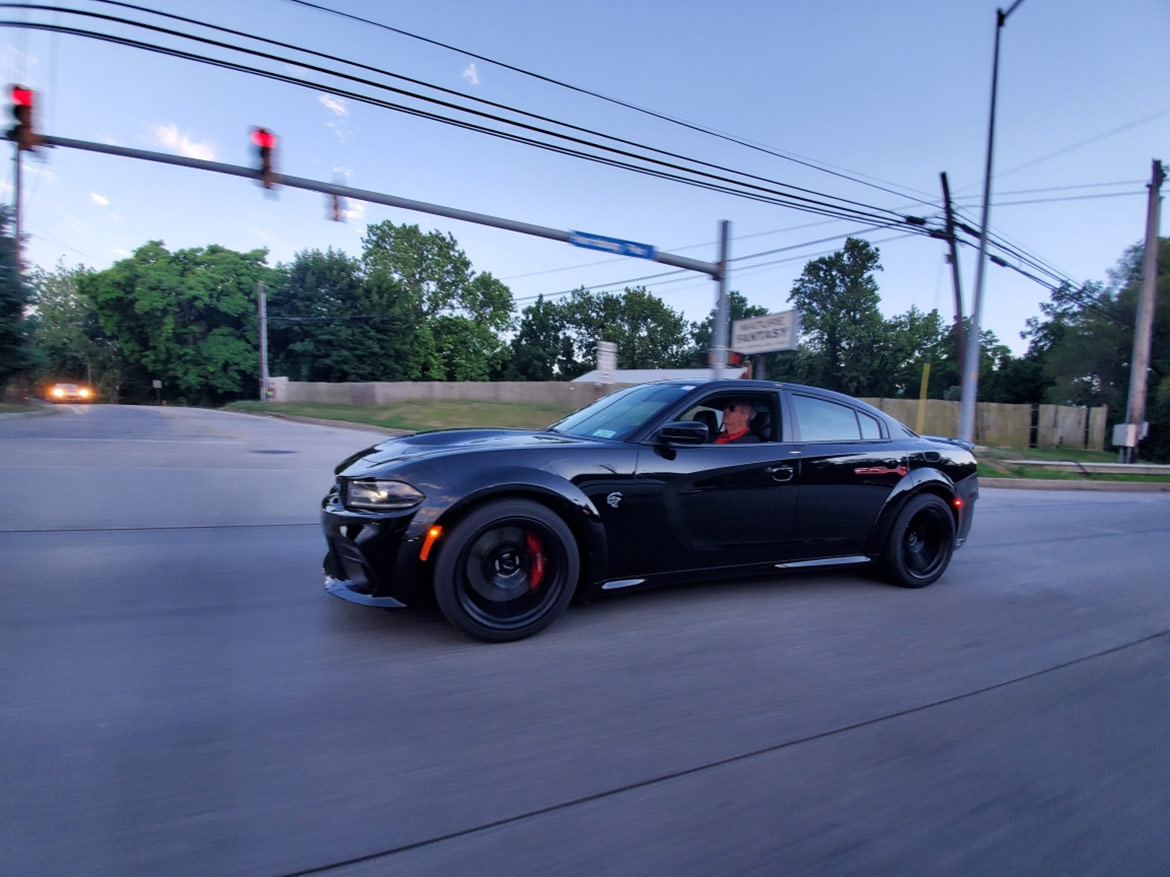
320,421
1060,484
24,415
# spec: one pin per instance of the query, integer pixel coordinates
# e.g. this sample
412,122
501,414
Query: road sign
611,245
766,334
606,360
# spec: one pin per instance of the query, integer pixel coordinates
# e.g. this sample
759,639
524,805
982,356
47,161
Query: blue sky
890,92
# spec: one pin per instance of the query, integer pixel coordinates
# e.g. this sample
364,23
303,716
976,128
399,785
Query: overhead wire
788,198
617,101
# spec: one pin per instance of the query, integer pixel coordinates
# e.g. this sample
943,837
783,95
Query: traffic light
734,358
265,142
24,133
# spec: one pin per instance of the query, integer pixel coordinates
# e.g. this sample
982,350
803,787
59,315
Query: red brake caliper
536,553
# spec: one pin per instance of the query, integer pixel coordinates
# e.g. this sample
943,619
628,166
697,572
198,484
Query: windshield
619,414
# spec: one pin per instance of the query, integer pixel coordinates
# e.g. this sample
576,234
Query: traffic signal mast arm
711,269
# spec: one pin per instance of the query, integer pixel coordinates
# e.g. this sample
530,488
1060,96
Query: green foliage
14,347
542,349
323,325
439,320
1084,344
186,318
837,297
647,332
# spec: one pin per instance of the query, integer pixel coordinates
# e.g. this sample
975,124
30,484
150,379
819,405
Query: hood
444,442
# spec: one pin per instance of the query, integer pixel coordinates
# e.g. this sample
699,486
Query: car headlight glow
58,392
84,392
378,496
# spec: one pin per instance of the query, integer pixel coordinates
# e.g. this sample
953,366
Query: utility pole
970,383
262,305
960,329
722,324
1135,409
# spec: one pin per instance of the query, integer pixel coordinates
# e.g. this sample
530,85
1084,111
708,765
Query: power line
384,72
720,184
617,101
1066,198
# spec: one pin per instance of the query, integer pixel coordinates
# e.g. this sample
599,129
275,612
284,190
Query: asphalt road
179,696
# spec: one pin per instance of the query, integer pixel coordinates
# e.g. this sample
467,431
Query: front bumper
371,559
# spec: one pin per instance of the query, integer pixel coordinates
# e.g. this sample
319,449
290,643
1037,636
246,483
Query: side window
758,413
823,421
870,428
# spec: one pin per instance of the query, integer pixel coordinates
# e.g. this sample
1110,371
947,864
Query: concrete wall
995,423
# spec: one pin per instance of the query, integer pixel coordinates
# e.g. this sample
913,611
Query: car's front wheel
507,570
920,543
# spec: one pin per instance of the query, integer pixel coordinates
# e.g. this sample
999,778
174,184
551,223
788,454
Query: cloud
354,209
98,199
125,254
335,105
171,137
471,75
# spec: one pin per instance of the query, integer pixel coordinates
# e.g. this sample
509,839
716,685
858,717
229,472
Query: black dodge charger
645,486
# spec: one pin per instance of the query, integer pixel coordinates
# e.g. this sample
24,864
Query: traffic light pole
711,269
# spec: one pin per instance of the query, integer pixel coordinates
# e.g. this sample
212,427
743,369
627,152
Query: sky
841,99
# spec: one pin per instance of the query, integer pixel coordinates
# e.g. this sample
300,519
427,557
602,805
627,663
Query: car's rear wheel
920,543
506,571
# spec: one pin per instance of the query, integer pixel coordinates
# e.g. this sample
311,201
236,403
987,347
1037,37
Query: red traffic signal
265,142
734,358
24,133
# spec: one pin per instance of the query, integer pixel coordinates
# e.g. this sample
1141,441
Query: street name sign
611,245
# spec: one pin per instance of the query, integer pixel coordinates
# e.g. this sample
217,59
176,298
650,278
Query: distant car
70,393
504,526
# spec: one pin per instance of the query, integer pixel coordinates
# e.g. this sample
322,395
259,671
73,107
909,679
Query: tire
920,544
507,571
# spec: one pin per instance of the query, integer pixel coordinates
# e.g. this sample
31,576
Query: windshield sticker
605,433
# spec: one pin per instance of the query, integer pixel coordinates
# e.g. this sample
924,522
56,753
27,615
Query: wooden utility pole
960,329
1135,409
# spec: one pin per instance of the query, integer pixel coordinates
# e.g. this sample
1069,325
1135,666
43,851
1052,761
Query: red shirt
723,438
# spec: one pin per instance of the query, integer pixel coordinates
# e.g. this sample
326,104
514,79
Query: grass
426,414
420,414
6,408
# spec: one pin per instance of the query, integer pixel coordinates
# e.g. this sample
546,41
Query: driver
737,416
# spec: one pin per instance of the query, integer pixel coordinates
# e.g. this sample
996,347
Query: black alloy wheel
920,543
506,571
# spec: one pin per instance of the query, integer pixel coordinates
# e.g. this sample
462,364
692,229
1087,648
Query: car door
848,467
717,505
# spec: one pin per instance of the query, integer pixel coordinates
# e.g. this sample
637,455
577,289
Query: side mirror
683,432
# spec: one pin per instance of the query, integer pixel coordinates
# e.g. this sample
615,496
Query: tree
13,296
647,332
837,297
446,320
1086,338
186,318
542,349
323,323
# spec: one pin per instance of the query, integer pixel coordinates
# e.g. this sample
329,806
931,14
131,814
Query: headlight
58,392
380,496
84,393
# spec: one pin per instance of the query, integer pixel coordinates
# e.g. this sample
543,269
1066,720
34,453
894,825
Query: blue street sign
611,245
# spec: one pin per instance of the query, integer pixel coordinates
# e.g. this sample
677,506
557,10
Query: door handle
783,472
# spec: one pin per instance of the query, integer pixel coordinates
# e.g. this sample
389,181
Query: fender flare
916,482
562,496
